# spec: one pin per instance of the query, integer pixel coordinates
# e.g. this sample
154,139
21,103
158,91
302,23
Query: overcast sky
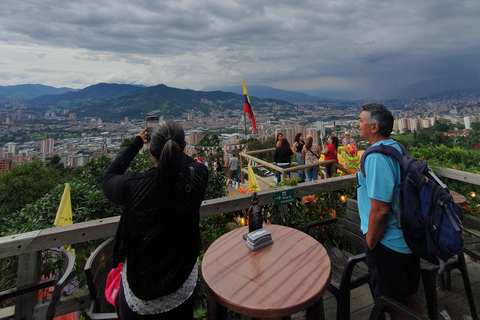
357,48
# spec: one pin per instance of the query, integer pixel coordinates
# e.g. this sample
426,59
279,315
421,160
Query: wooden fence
28,244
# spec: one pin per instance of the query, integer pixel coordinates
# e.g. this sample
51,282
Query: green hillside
94,94
165,101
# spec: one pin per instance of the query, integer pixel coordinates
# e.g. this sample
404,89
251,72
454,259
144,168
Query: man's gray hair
377,113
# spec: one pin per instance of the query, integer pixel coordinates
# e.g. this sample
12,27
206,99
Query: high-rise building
468,122
194,138
47,146
5,165
11,147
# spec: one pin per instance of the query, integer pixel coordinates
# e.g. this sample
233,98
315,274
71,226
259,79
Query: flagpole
245,126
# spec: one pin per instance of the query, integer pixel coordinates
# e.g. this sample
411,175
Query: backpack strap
386,150
396,155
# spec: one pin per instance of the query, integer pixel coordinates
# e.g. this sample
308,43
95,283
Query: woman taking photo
299,154
158,238
312,154
330,153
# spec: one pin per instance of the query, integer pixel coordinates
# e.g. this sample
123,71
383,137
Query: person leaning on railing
158,237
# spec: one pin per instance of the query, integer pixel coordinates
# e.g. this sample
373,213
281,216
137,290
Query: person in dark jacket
281,157
158,237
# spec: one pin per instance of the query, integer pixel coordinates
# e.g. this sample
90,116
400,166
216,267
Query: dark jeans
329,170
392,274
182,312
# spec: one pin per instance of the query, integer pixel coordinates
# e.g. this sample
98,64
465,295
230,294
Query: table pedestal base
215,311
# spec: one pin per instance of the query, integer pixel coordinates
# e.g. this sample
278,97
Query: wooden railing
272,167
26,244
31,242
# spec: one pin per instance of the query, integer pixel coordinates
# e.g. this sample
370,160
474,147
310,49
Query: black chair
471,228
429,273
96,271
58,281
385,304
348,271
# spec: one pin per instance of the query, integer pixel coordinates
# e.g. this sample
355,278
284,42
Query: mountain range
116,101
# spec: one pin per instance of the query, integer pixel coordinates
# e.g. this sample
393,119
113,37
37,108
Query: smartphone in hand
150,124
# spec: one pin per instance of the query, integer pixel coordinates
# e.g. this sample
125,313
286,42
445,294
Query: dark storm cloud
370,47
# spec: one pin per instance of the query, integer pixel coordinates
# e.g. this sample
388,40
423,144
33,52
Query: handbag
113,284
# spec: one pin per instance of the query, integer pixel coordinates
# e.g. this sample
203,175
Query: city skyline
333,49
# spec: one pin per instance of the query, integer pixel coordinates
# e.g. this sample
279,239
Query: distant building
194,137
468,122
11,147
5,165
104,148
289,133
78,160
72,116
47,146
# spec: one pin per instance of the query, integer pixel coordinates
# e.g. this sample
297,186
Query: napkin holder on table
258,239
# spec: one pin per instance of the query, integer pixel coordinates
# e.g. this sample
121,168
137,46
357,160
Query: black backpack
430,219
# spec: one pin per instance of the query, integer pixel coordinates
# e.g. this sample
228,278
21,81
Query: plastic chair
429,273
58,281
96,270
348,271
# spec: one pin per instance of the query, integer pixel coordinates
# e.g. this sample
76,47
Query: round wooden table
284,278
458,198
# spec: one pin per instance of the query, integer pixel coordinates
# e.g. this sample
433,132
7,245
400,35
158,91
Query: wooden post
242,175
27,274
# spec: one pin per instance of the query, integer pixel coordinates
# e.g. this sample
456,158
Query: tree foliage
25,184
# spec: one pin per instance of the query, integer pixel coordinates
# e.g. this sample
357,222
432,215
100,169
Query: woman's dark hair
285,145
279,135
335,142
297,137
167,144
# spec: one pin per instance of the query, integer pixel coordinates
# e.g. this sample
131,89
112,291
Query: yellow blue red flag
247,107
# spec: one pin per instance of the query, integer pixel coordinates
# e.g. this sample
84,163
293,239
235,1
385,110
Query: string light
343,198
473,194
242,221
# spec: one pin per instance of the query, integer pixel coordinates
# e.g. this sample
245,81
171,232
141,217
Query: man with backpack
394,270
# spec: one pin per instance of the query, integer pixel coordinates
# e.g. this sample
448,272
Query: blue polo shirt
383,178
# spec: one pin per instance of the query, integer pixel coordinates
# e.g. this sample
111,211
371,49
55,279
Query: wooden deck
453,302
